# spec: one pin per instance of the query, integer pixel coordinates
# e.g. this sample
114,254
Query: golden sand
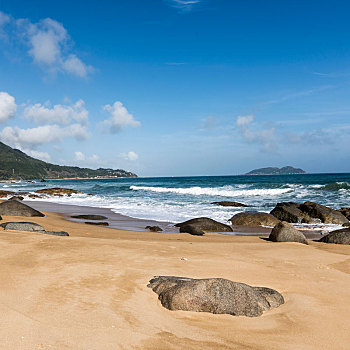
89,290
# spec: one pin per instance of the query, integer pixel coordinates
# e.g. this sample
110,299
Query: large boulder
290,212
89,217
338,237
206,224
253,218
230,204
191,229
345,212
285,232
22,226
57,191
325,214
16,208
215,295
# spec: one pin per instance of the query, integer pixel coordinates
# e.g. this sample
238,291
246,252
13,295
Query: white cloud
80,156
34,137
8,107
120,118
183,4
243,120
49,44
60,114
37,154
131,156
92,160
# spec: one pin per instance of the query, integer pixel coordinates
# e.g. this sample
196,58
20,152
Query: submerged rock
55,233
206,224
89,217
215,295
153,228
191,229
101,223
57,191
230,204
337,237
285,232
254,218
16,208
22,226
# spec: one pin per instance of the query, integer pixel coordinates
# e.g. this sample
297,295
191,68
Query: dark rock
290,212
43,180
191,229
230,204
285,232
101,223
57,191
55,233
16,198
89,217
22,226
16,208
153,228
215,295
345,212
34,196
254,218
206,224
338,237
6,193
347,224
325,214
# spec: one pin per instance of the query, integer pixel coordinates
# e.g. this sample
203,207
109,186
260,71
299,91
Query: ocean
175,199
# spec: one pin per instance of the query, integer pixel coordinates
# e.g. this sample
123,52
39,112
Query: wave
336,186
226,191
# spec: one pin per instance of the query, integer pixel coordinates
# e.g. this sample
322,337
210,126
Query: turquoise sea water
179,198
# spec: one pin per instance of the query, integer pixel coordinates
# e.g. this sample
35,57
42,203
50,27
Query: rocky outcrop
206,224
191,229
215,295
230,204
89,217
22,226
153,228
16,208
290,212
285,232
58,191
345,212
253,218
325,214
338,237
6,193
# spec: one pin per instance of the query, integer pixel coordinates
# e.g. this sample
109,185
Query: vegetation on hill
287,170
14,164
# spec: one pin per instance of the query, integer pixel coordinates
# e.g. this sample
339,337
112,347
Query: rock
191,229
22,226
6,193
254,218
325,214
16,198
43,180
16,208
290,212
153,228
55,233
101,223
206,224
215,295
230,204
338,237
34,196
58,191
345,212
285,232
89,217
347,224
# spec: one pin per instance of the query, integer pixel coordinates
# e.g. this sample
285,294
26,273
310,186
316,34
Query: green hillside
14,164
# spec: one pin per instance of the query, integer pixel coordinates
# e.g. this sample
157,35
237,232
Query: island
287,170
16,165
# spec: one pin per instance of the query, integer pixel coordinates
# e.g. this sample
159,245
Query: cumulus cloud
34,137
8,107
264,137
48,43
85,160
120,118
60,114
37,154
132,156
79,156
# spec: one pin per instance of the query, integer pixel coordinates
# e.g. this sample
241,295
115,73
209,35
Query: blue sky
175,87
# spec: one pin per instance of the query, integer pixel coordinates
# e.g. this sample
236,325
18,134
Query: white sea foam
225,191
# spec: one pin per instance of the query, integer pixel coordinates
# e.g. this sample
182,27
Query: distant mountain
287,170
14,164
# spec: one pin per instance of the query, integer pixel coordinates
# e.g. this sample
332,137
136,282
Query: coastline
89,290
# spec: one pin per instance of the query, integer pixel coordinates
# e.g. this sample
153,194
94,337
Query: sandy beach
89,290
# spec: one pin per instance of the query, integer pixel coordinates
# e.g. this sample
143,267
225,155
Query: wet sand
89,290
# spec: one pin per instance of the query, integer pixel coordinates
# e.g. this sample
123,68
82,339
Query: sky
177,87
